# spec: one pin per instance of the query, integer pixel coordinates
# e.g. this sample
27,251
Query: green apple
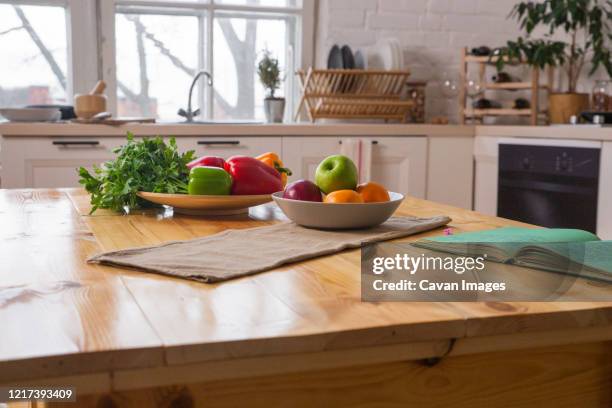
336,172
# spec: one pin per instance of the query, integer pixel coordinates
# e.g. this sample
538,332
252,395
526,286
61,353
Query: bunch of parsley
141,165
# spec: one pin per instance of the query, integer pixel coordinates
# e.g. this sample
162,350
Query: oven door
551,186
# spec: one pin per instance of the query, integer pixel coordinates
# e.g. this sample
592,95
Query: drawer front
229,146
44,162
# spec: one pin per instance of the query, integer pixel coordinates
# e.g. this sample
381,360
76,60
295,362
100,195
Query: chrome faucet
190,114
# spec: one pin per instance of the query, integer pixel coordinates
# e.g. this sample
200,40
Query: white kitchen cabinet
485,176
302,154
49,162
399,163
450,170
229,146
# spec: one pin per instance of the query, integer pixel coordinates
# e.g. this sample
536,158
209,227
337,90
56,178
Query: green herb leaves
141,165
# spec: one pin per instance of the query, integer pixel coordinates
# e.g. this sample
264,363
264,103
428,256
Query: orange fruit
343,196
373,192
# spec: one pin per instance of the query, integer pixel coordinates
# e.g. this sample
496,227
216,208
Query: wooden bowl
87,105
207,204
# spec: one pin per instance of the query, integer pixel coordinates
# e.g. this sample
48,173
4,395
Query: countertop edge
298,129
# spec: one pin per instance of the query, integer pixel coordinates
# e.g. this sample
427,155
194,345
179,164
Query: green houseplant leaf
585,22
269,73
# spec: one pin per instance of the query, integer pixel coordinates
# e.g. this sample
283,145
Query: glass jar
600,98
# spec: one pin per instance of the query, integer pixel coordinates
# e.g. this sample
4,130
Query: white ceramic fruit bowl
338,216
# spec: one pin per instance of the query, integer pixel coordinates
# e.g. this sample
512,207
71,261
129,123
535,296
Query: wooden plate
207,204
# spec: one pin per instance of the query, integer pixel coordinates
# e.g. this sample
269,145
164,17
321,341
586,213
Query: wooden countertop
8,129
63,318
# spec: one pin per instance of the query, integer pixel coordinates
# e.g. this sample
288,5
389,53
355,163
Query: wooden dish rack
353,94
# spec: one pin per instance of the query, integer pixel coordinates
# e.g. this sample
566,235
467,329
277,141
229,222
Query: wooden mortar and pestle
88,105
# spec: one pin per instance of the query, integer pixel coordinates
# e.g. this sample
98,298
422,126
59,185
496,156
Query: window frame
90,41
81,41
304,47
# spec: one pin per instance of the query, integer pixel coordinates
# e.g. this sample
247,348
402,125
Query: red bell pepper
252,177
211,161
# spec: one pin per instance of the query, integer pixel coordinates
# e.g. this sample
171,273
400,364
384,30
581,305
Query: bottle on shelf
521,103
484,103
503,77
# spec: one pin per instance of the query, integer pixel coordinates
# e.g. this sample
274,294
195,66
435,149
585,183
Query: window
161,45
33,68
148,52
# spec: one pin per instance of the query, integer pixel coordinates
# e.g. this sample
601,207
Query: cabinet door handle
76,142
374,142
219,142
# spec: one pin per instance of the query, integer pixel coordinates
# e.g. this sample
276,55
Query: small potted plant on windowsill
269,74
585,22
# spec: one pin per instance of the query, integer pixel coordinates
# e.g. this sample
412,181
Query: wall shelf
533,85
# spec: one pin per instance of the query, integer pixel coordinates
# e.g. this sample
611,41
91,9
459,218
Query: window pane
266,3
238,44
33,55
157,56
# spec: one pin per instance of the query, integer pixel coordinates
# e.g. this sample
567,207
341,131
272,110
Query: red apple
210,161
303,190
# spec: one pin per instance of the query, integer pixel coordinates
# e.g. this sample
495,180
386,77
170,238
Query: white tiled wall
431,32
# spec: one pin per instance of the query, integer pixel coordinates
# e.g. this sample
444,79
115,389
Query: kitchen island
295,336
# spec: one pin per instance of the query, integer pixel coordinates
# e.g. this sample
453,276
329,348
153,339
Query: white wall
432,33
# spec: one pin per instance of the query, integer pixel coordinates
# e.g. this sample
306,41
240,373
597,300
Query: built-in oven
548,185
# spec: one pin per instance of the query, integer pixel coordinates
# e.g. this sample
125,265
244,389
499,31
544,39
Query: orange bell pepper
272,160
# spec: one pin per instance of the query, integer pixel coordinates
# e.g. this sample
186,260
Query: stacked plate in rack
386,54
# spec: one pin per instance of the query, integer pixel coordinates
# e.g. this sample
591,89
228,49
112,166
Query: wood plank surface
66,317
52,303
552,377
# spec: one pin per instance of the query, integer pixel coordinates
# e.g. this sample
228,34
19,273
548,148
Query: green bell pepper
205,180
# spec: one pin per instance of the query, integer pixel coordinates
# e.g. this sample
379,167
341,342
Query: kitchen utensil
102,116
207,204
338,216
114,121
66,110
348,60
31,114
334,59
88,105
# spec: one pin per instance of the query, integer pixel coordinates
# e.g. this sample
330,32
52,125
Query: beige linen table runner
235,253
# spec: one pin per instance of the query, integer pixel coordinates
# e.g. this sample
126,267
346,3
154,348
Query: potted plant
269,74
585,24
